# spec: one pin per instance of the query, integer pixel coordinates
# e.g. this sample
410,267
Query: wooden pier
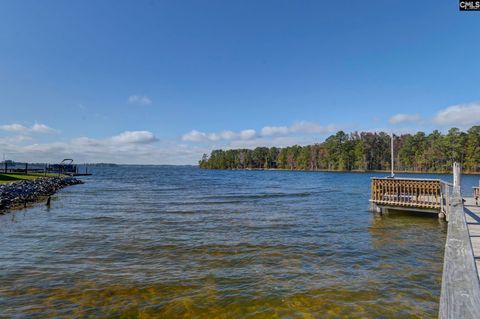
460,294
413,194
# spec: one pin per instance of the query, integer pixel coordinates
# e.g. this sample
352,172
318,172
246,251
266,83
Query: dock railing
425,194
476,194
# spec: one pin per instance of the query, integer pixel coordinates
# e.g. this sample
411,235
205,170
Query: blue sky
164,81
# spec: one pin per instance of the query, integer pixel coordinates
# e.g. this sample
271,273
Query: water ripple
182,242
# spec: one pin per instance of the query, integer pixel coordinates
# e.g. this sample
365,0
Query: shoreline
20,194
337,171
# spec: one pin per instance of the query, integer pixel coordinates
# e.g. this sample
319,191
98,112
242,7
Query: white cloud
308,127
461,115
134,137
42,128
267,136
133,147
197,136
298,127
247,134
194,136
404,118
15,127
35,128
139,99
15,139
275,130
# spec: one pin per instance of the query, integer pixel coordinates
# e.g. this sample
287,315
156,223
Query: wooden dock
413,194
460,294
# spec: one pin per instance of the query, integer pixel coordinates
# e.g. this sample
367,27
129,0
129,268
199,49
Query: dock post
392,174
456,174
375,208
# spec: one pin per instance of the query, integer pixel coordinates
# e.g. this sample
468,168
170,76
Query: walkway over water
460,295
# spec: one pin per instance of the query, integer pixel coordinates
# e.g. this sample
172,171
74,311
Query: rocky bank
21,193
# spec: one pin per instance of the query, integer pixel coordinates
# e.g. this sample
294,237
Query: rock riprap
23,192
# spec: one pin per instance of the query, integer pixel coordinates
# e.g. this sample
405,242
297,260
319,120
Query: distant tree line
363,151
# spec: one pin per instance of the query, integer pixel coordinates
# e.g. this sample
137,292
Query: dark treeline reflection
363,151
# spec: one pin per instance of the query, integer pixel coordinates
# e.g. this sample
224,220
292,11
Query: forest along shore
21,193
361,151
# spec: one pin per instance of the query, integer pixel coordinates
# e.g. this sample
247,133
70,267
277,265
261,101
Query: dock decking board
472,215
460,296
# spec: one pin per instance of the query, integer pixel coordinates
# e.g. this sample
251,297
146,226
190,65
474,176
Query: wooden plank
460,296
474,230
471,220
478,265
476,246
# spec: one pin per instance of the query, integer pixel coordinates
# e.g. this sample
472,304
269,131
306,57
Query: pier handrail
408,192
460,295
447,191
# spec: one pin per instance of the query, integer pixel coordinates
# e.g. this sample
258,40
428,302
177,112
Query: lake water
180,242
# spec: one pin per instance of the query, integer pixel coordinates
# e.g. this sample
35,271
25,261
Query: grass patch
13,177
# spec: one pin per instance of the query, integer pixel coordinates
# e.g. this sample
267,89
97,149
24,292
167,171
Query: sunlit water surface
180,242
